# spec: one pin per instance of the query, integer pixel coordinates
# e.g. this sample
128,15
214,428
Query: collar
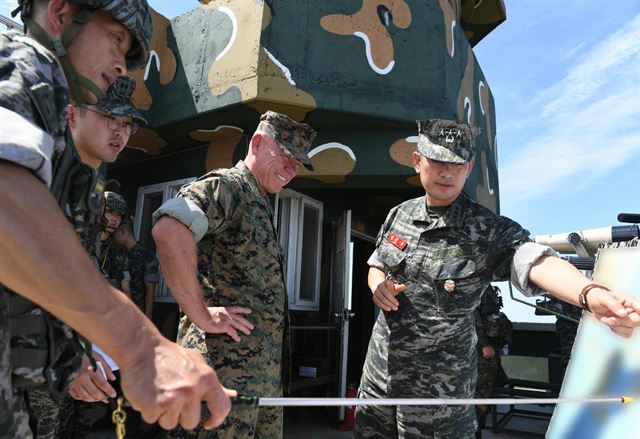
252,184
244,170
453,217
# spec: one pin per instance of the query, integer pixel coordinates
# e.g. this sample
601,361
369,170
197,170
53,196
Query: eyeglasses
114,124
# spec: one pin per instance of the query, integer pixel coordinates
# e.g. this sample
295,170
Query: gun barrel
590,239
562,242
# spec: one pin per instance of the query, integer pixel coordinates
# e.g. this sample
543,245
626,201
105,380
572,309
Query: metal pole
11,24
340,402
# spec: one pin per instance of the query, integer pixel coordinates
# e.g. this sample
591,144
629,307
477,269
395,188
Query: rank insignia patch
397,241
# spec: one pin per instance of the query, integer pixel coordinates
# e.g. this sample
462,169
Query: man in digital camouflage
143,268
434,257
41,259
98,139
240,268
112,259
100,132
494,330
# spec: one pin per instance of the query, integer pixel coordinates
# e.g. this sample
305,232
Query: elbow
161,231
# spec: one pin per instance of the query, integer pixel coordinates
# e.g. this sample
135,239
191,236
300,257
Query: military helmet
135,16
115,202
132,14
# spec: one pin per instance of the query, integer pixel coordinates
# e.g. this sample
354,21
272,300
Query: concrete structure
360,72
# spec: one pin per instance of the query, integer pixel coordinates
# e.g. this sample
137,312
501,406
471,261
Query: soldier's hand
168,384
227,320
385,295
616,310
488,352
90,385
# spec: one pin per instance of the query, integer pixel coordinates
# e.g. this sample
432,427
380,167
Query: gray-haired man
239,262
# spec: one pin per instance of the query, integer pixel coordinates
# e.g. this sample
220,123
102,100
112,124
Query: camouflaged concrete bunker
360,72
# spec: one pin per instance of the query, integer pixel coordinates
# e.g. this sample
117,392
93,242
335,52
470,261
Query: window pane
308,265
173,190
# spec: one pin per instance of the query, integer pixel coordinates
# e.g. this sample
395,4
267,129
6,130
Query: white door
343,262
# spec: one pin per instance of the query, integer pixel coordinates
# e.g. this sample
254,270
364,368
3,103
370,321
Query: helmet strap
76,81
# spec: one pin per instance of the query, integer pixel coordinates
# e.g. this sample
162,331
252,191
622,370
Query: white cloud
612,61
573,51
587,122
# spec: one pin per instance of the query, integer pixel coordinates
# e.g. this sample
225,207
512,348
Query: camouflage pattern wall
360,72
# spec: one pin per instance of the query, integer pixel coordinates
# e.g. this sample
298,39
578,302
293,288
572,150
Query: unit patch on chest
452,252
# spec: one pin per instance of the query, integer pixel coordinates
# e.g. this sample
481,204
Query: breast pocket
458,284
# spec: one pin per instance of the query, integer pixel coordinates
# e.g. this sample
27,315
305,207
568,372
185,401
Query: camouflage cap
116,101
115,202
294,138
446,140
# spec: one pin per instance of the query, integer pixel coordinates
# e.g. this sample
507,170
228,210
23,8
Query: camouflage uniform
33,99
240,262
493,329
427,349
143,268
113,262
75,418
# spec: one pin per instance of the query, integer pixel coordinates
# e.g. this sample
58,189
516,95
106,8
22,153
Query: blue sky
565,76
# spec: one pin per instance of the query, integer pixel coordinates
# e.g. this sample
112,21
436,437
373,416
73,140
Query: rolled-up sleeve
25,144
187,212
524,258
374,261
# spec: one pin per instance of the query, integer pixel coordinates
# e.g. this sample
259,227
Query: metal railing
10,24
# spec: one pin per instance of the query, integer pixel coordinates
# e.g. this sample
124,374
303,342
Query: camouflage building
360,72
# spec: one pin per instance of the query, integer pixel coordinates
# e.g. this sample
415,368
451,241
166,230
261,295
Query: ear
470,167
59,13
256,142
416,161
71,116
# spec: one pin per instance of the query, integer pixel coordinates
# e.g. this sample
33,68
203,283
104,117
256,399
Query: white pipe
339,402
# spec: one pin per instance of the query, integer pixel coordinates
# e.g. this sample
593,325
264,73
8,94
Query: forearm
375,277
42,259
559,278
177,254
